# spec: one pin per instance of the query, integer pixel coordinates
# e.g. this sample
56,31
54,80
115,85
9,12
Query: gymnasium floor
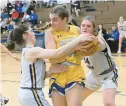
10,76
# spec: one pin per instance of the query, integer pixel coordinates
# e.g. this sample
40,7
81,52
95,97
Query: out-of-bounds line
9,81
10,72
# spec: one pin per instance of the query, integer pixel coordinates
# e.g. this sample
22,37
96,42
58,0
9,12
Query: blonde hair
91,19
121,17
61,11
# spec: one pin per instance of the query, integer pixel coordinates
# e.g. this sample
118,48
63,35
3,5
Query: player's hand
87,42
89,47
83,38
57,68
16,58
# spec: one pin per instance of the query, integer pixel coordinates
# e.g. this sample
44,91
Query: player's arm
8,52
37,52
102,44
55,61
5,50
55,69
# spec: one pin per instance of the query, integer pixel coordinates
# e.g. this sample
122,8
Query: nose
84,27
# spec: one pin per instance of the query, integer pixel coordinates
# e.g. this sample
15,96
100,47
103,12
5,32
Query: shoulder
33,50
32,53
49,31
50,38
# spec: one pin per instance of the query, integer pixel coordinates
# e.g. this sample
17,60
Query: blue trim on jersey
62,90
114,79
71,84
33,75
55,86
37,99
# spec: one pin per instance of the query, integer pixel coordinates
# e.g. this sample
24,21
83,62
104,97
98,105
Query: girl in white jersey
122,30
33,65
102,69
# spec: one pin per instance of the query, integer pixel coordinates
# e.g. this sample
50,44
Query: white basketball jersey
32,75
122,26
100,61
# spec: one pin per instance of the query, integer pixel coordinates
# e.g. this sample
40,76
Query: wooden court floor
10,77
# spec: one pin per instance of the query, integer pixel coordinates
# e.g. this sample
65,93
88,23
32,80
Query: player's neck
29,45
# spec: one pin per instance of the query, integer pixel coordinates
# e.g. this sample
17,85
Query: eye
83,25
54,20
88,26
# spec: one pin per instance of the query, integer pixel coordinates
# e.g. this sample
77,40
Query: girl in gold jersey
66,88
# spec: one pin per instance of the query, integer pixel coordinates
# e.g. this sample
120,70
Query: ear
25,36
65,19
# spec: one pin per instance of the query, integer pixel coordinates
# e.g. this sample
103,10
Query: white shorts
123,34
105,81
28,97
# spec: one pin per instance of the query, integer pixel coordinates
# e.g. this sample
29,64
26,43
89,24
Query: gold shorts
66,80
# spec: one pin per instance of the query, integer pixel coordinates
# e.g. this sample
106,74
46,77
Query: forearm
55,69
10,54
58,60
72,45
68,48
6,50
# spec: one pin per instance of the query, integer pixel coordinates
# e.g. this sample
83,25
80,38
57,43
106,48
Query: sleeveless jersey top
100,62
62,38
33,74
73,60
122,25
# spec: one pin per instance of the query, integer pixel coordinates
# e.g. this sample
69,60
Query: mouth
52,25
84,31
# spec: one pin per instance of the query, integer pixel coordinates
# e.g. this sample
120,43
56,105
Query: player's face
56,22
31,36
100,26
113,28
121,19
86,27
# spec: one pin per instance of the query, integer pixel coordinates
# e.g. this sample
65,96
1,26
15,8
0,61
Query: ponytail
11,41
